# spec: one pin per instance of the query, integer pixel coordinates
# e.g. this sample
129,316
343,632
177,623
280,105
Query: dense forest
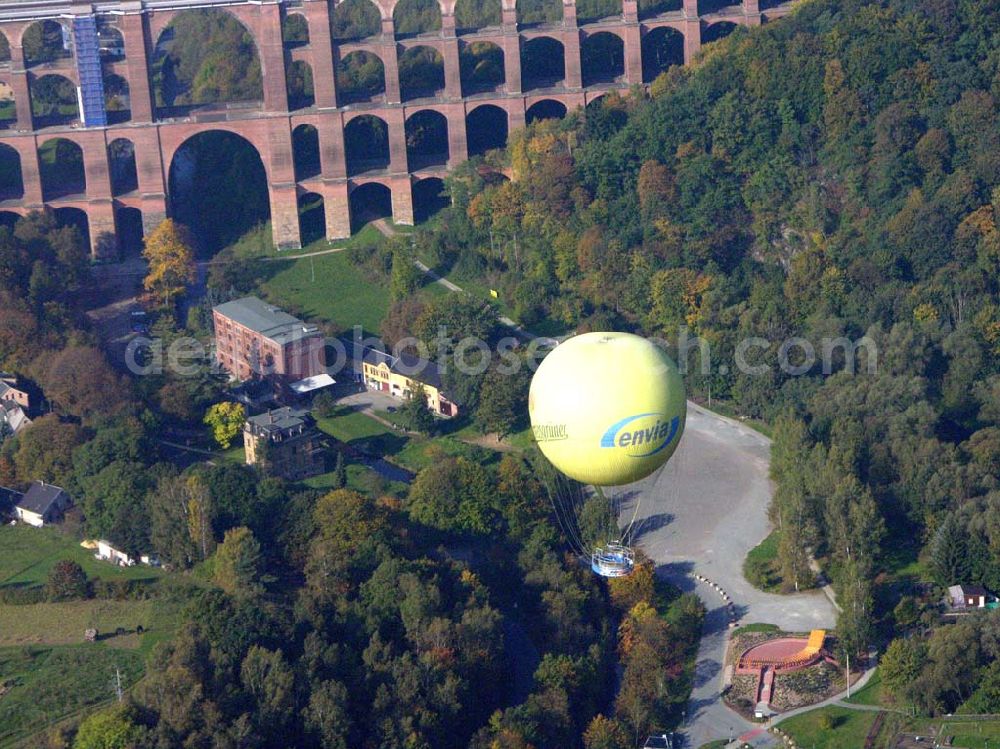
832,176
445,615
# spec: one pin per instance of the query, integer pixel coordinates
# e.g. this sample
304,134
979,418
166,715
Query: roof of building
266,319
280,419
13,416
408,365
9,496
40,497
310,384
968,590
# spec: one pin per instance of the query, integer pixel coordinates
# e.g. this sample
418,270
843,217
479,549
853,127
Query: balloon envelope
607,408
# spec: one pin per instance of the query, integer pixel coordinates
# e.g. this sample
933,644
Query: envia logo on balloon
642,435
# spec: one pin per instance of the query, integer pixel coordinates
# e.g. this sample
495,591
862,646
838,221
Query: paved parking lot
703,513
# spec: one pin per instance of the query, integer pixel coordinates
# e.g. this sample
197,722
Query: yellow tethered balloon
607,409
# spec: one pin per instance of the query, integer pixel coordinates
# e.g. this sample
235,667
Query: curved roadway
701,515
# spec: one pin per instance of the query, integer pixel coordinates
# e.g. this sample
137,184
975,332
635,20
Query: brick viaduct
269,126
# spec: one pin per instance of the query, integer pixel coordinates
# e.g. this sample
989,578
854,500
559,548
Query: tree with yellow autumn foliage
171,260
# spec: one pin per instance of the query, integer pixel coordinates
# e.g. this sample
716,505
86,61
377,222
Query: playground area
764,661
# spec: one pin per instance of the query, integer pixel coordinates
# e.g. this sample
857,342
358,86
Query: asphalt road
701,515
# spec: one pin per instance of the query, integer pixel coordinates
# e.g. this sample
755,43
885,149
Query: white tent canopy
312,383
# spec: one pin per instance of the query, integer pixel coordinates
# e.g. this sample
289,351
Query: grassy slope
849,732
340,294
29,554
64,623
47,684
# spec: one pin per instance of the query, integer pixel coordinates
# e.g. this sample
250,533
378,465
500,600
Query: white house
109,553
968,596
42,503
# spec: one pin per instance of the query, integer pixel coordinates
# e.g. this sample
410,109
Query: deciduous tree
168,251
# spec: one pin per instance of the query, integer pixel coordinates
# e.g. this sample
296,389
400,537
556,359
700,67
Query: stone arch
299,83
205,56
217,183
602,58
360,78
482,67
8,106
46,41
471,15
11,179
427,139
411,17
716,31
54,101
117,100
355,19
9,219
545,109
536,12
294,30
368,202
429,197
486,127
60,166
588,11
366,144
421,73
76,217
110,42
543,63
121,166
4,49
312,218
305,151
661,48
652,8
129,230
604,115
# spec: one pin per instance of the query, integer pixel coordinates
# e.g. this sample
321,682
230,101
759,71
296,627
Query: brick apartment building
256,339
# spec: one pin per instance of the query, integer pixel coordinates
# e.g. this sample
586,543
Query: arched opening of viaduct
333,110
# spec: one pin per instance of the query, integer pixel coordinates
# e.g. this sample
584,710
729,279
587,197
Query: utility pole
848,675
119,692
312,268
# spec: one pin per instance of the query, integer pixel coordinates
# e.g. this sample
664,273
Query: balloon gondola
606,410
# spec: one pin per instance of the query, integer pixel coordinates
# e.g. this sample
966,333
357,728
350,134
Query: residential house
284,442
968,596
41,504
13,418
108,553
12,391
400,376
254,339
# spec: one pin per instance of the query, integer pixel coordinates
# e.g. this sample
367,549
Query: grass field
412,452
29,553
45,682
359,478
871,693
64,623
42,685
850,727
340,294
